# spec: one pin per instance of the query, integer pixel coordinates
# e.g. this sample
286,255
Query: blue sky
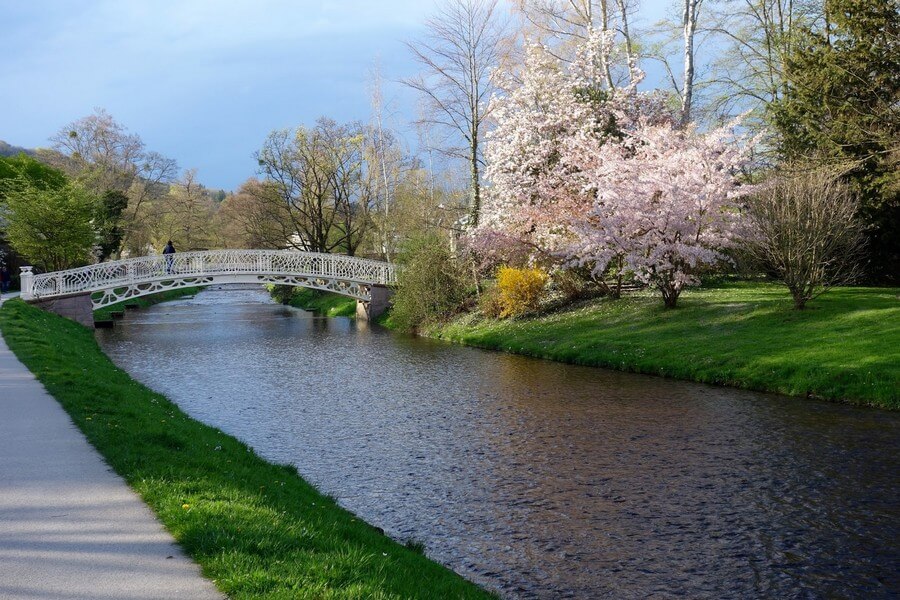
204,81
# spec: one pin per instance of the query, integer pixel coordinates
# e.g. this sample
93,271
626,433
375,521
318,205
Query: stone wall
78,308
380,302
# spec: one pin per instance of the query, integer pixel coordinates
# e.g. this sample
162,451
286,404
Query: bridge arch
75,293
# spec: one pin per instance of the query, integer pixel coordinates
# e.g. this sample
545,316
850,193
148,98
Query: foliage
806,231
183,215
107,223
253,218
744,335
256,529
519,290
317,301
430,286
50,226
40,175
571,284
281,294
840,108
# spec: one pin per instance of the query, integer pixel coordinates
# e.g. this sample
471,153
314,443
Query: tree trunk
670,293
689,21
475,193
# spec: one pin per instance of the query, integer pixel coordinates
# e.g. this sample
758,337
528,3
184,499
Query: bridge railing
214,262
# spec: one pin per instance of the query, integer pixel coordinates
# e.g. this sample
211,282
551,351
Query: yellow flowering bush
519,290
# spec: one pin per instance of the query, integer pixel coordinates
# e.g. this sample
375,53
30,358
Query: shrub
571,284
430,286
805,230
489,304
282,293
520,290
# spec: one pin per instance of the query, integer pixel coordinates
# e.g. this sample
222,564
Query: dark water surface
537,479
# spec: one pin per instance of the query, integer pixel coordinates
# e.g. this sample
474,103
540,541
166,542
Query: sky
204,81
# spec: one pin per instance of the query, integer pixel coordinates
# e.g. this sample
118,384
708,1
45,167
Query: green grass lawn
257,529
105,313
324,303
844,346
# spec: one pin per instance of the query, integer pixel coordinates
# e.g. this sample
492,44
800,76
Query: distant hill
7,149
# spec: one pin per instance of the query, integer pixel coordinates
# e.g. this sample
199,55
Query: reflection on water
537,479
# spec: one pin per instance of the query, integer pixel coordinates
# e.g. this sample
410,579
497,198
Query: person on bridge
5,278
169,253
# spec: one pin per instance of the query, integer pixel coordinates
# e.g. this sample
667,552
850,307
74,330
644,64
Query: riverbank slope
845,346
258,530
105,313
323,303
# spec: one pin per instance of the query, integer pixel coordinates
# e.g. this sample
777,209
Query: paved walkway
70,528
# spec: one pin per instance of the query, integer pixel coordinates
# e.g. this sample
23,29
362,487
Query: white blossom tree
665,201
607,179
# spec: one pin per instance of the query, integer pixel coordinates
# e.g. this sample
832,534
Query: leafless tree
189,214
387,164
689,15
563,26
255,217
684,38
805,229
466,40
319,176
102,154
755,37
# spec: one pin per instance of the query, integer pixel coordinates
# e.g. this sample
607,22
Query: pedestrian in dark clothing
5,279
169,253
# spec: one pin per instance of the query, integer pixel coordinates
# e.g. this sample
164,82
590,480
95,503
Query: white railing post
60,281
26,281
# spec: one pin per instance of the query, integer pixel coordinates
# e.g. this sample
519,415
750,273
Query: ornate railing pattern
132,277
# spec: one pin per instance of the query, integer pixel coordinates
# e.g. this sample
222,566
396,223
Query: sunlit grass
258,530
105,313
324,303
844,346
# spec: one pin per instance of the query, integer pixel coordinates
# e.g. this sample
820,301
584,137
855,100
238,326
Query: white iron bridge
116,281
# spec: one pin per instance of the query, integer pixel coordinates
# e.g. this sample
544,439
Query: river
538,479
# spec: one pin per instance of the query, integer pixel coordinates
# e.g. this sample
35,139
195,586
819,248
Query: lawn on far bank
257,530
324,303
844,346
105,313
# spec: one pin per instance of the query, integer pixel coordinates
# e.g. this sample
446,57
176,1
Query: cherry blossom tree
666,203
599,178
530,187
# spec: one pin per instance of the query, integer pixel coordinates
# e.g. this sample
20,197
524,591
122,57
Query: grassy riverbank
105,313
258,530
845,346
323,303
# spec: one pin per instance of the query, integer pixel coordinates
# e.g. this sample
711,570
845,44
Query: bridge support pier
77,307
374,308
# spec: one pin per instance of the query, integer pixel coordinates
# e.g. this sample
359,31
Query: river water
537,479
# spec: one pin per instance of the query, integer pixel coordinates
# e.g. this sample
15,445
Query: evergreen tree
842,106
